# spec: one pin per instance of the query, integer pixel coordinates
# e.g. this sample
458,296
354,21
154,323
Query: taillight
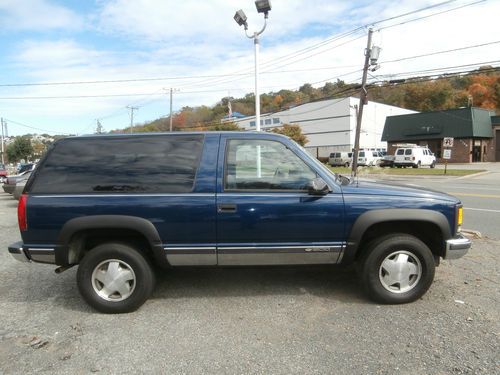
413,158
21,213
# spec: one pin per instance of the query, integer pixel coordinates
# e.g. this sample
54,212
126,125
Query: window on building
252,123
268,121
276,120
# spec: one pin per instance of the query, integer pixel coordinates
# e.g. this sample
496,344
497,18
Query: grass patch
406,171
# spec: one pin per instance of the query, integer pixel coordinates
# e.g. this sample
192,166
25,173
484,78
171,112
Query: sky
198,50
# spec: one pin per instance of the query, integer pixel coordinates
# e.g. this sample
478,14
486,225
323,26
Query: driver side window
264,165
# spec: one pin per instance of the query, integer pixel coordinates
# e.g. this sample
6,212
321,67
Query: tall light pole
263,6
371,57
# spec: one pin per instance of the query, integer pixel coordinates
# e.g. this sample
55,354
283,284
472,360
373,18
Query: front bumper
457,247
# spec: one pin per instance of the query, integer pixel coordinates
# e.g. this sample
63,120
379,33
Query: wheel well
85,240
429,233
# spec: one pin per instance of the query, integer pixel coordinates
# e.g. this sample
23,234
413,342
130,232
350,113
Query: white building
330,125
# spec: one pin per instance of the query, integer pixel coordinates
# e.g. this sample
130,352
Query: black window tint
160,164
361,154
408,151
400,151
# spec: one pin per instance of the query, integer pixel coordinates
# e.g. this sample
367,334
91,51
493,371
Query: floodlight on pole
241,18
263,6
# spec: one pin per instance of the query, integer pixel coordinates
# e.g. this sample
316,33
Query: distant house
471,129
330,124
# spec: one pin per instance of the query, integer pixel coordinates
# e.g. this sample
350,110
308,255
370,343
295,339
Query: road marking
474,195
481,209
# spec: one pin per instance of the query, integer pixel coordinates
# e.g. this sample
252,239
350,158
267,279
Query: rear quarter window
160,164
408,151
400,151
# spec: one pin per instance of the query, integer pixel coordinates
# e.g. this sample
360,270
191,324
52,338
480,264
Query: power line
431,15
36,128
439,52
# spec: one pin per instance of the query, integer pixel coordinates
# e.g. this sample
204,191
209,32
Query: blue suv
116,205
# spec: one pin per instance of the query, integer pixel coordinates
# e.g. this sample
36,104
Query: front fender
369,218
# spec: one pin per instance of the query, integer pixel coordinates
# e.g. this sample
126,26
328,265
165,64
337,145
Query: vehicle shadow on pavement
49,291
339,283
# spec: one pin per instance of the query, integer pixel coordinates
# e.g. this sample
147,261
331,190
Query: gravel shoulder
257,320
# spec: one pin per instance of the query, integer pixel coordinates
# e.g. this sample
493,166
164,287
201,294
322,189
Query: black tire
433,165
372,271
129,260
346,165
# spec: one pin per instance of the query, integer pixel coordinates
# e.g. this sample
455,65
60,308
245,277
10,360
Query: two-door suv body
118,204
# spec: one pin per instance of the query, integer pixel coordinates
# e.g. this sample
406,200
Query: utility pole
369,60
171,91
132,109
98,128
3,157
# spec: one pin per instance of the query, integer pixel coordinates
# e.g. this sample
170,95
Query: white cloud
200,38
36,15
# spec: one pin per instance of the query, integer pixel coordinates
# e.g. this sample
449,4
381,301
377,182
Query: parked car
3,173
113,206
414,156
19,187
387,161
340,159
368,158
11,181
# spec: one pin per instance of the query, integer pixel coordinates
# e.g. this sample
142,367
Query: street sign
447,153
448,142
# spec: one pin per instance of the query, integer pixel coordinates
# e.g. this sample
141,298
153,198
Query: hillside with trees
480,88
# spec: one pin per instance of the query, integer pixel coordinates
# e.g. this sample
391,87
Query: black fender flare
138,224
369,218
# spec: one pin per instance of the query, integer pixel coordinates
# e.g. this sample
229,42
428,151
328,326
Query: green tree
21,148
292,131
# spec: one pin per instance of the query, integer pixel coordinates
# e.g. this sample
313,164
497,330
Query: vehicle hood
375,187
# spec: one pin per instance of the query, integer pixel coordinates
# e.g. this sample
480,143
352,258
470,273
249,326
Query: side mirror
318,186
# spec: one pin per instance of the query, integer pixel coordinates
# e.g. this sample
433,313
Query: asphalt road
250,321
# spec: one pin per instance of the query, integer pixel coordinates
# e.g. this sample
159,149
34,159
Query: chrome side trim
457,247
191,256
278,255
42,255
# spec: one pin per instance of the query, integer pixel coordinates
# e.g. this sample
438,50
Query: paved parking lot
267,320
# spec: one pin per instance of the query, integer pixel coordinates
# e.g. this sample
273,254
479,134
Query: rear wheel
115,278
346,165
397,268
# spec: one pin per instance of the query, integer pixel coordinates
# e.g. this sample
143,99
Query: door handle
226,208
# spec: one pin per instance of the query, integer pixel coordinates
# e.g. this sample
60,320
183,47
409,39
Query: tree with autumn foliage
292,131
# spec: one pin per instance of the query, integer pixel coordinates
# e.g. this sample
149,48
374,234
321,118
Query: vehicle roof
176,133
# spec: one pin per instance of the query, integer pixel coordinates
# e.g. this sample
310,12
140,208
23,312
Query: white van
340,159
414,156
369,157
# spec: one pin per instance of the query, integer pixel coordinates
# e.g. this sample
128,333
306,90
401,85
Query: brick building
476,133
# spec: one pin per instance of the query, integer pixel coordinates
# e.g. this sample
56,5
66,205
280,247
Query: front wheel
433,165
397,268
115,278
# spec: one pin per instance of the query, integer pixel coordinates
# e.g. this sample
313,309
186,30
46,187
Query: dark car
117,204
387,161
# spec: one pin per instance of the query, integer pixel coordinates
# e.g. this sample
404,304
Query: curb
473,175
472,233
